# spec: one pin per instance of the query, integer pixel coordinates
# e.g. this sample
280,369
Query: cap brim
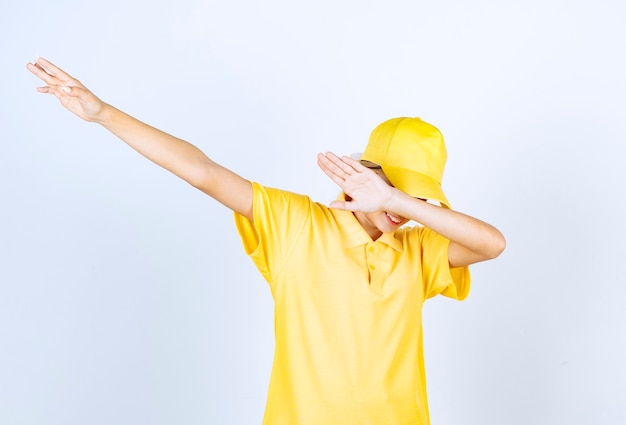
416,184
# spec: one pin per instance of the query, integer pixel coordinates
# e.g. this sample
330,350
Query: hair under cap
412,154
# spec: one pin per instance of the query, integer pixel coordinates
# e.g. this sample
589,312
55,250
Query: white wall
125,296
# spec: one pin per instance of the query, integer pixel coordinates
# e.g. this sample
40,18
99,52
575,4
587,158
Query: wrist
405,205
104,115
395,201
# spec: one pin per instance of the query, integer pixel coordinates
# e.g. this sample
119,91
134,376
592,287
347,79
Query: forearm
481,239
175,155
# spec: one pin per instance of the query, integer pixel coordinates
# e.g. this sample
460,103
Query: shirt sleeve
439,277
278,219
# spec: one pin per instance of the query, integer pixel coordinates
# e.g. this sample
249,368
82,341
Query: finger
354,164
340,164
41,73
332,173
63,93
54,70
331,169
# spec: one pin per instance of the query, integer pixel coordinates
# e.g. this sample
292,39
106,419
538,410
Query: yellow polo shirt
348,311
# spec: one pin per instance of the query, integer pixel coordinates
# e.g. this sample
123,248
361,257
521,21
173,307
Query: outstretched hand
72,94
367,190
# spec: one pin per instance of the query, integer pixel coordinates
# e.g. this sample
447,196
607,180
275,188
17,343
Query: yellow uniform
348,311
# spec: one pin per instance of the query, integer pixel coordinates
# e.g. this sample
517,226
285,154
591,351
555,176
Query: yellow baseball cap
412,154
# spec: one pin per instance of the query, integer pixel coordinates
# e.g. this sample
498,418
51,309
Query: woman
348,281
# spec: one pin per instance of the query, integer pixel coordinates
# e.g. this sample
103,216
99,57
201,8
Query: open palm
72,94
367,190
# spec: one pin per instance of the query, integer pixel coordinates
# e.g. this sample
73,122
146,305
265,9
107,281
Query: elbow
497,246
202,177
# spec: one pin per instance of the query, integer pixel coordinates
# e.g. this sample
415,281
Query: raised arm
175,155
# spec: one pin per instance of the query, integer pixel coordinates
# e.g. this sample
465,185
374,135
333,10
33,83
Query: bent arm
471,240
175,155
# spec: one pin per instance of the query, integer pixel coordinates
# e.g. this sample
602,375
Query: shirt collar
355,235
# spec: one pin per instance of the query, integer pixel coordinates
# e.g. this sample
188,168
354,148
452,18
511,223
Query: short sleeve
439,277
278,219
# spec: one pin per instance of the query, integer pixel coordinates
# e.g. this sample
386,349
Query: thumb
74,91
342,205
65,92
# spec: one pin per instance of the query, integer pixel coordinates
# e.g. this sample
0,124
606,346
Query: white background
125,296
